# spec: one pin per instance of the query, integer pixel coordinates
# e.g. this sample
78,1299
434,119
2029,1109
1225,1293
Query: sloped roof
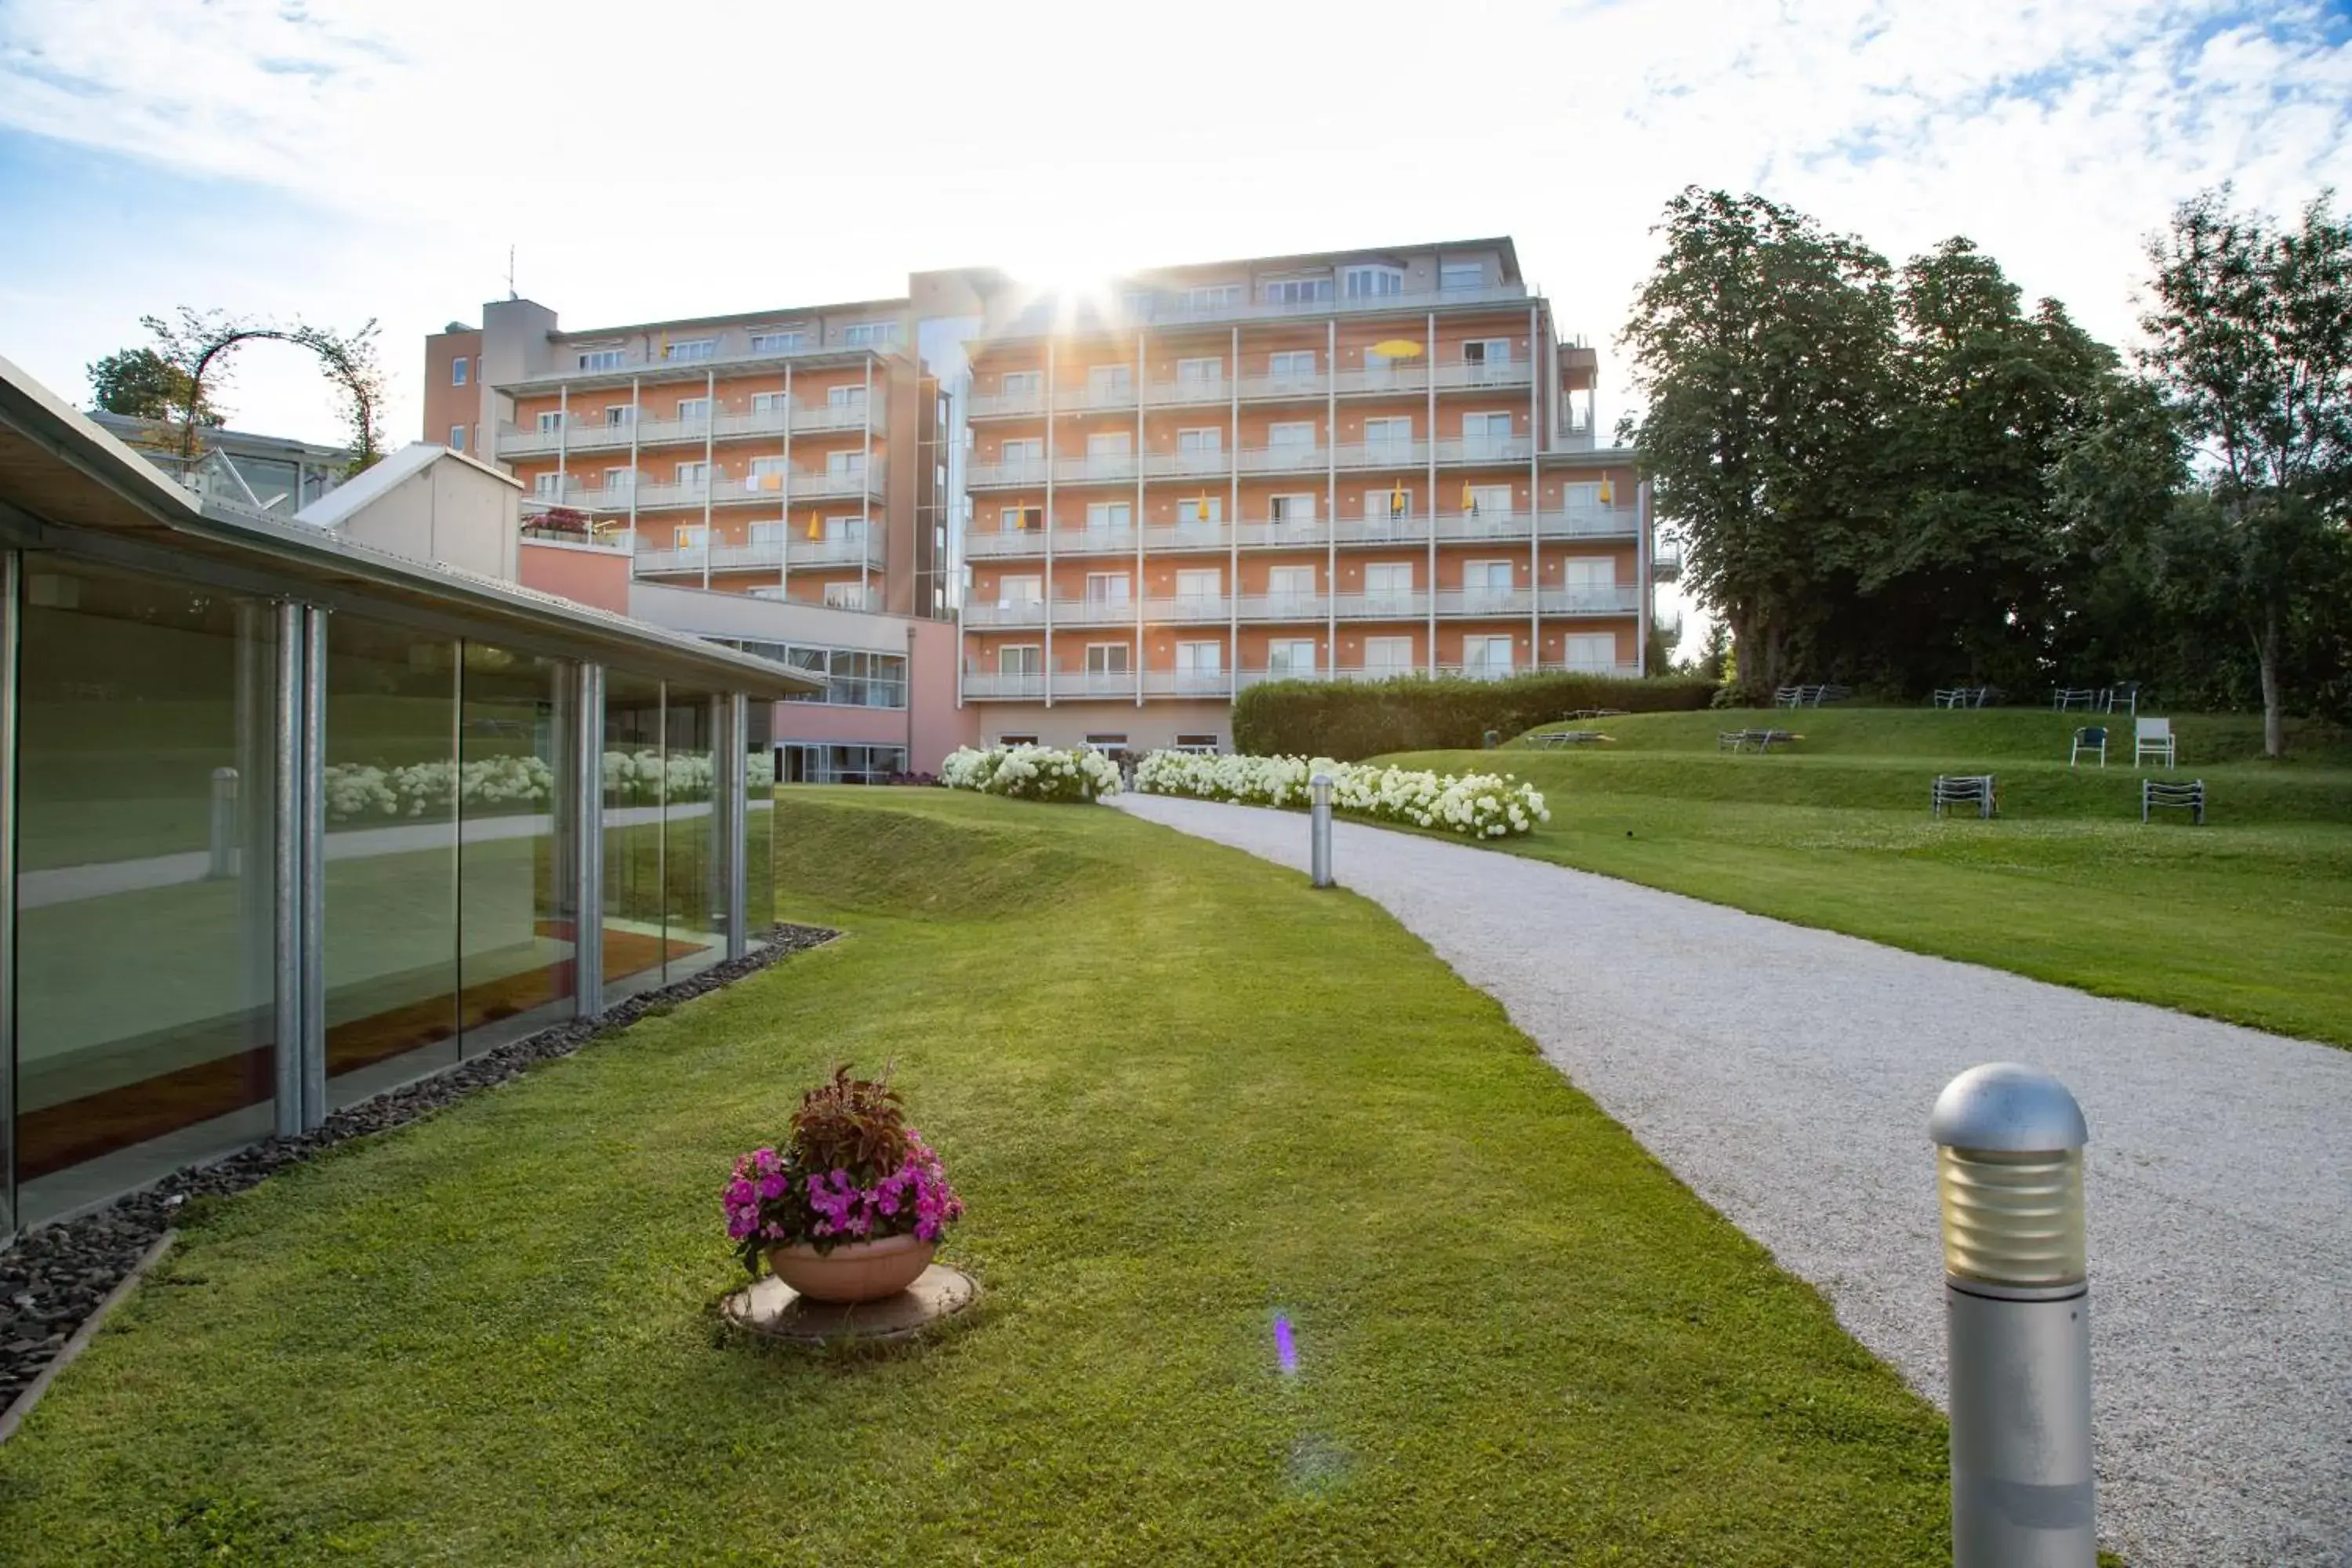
337,504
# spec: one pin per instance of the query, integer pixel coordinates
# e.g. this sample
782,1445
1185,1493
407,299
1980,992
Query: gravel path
1786,1075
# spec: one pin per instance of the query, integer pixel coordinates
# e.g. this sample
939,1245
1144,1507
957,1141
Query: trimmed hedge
1349,721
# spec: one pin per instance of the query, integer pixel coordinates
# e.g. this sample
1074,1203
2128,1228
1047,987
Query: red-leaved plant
850,1170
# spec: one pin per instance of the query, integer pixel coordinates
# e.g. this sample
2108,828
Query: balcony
1018,613
1082,683
1667,561
582,436
767,488
1622,669
1485,602
1391,606
1467,450
1622,599
1096,468
1018,473
1017,685
1041,320
856,548
1302,457
1215,464
1482,671
673,370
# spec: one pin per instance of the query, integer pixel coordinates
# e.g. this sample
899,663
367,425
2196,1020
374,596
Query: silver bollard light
1320,831
2017,1318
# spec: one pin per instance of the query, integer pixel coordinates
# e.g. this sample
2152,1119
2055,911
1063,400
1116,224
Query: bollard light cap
1320,781
2003,1108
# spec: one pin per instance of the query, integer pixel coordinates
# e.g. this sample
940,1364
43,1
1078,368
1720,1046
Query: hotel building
1130,504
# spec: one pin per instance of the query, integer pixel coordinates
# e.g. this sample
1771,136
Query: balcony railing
681,369
1620,600
1667,561
806,485
1624,669
1453,527
1485,601
1171,313
1003,684
982,685
856,548
585,436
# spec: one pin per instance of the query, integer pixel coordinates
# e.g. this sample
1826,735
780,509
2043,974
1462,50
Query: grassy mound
2246,919
1187,1099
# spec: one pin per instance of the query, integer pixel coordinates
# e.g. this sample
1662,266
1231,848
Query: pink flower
740,1193
772,1185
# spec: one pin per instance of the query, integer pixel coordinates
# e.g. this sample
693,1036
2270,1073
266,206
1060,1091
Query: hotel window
1592,652
870,334
1213,297
1297,433
1025,450
1392,436
767,474
1022,382
693,410
1486,501
1200,658
692,475
1486,578
1455,275
1391,654
844,465
1012,591
1380,367
844,597
1109,382
689,349
1010,739
1108,514
1375,282
1196,743
1204,438
1393,504
1581,497
1290,588
1106,742
1390,581
601,359
1485,433
1487,656
1291,364
1201,508
1021,519
620,415
1291,508
845,398
1135,304
1295,291
769,403
1486,351
620,481
1195,374
1199,584
767,534
1110,443
1110,659
689,536
849,527
778,342
551,422
1591,581
1020,658
1107,587
1290,655
458,368
456,438
547,487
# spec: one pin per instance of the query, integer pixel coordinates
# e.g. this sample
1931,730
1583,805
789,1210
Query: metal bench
1552,739
1965,696
1810,695
2185,795
1594,713
1758,740
1955,790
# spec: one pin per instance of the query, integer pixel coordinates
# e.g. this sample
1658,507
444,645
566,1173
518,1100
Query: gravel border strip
59,1280
14,1417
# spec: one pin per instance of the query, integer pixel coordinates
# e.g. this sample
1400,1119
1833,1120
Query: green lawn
1183,1095
2246,919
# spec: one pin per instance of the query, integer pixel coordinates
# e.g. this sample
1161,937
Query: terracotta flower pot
854,1271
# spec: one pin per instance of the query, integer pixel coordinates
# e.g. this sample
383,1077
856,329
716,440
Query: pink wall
936,725
591,575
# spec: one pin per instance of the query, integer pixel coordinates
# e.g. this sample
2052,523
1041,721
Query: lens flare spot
1286,1346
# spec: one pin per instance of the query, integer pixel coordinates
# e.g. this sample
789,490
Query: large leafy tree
2251,341
1986,395
1760,345
144,384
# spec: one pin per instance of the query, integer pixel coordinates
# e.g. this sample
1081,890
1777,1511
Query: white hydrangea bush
1477,805
1031,773
364,792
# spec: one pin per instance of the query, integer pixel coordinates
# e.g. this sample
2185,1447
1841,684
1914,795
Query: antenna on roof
510,289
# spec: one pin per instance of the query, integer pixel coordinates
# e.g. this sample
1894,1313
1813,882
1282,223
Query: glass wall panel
759,817
633,774
515,866
695,902
145,894
392,856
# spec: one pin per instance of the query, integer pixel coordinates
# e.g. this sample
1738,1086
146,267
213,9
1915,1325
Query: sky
340,160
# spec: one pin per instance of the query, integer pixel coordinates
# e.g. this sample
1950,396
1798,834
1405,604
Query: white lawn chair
2090,739
2153,738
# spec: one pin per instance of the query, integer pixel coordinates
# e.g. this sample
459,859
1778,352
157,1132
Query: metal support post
1320,829
11,620
286,842
710,462
222,861
312,818
2016,1316
735,722
588,816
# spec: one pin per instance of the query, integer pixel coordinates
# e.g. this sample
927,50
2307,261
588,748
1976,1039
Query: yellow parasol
1469,501
1397,502
1608,493
816,527
1397,348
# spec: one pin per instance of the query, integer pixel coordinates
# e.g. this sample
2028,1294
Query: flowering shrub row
1478,805
358,790
1032,772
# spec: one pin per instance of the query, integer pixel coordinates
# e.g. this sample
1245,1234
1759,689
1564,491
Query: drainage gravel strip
1786,1074
55,1277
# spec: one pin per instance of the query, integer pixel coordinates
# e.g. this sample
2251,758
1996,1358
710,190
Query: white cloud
654,161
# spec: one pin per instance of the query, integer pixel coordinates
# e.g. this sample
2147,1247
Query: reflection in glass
633,776
759,817
144,888
695,899
392,856
514,859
